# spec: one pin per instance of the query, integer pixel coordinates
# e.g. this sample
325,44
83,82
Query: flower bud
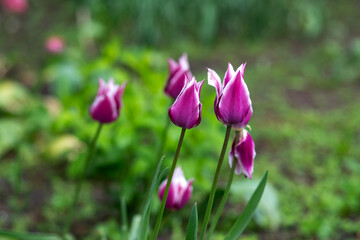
232,103
177,73
244,152
186,110
107,104
179,192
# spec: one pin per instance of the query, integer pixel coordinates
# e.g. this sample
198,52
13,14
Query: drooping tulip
232,103
244,151
107,104
177,74
55,44
186,110
15,6
179,192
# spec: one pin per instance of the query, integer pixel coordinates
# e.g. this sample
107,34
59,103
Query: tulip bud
15,6
244,151
232,103
179,192
107,104
186,110
177,74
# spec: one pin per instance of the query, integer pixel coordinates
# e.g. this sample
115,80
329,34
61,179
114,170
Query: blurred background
303,73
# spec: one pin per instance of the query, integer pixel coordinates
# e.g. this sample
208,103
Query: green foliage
303,76
248,212
191,232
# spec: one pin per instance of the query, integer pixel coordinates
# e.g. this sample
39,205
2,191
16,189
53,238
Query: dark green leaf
146,212
191,232
248,212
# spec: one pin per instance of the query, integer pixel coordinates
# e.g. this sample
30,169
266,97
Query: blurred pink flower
108,102
55,44
15,6
180,190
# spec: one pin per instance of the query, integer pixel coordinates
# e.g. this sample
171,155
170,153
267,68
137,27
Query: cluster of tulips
232,108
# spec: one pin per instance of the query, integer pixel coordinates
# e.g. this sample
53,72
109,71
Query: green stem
162,208
213,188
124,223
79,183
226,193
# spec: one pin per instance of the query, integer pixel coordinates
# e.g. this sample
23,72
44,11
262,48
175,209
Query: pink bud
15,6
244,151
107,104
177,73
186,110
232,103
179,192
55,44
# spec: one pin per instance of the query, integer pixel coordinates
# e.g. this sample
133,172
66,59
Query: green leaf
146,212
191,232
135,223
29,236
248,212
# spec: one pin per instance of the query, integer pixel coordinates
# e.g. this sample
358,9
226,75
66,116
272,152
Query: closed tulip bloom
186,110
232,103
177,73
179,192
107,104
244,151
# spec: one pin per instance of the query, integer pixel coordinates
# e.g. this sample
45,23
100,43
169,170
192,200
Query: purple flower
186,110
179,192
245,153
107,104
232,103
177,73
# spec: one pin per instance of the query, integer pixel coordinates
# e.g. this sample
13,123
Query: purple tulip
107,104
244,151
177,74
179,192
186,110
232,103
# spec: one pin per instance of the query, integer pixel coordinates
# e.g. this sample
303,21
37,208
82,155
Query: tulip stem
91,150
163,202
215,181
226,193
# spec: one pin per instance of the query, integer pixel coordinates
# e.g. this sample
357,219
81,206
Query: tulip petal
238,167
186,110
171,198
229,74
245,154
215,81
185,195
235,102
183,62
173,66
118,95
177,75
104,109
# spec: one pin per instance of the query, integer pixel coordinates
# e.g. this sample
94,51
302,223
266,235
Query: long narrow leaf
124,223
29,236
134,229
146,212
191,232
248,212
